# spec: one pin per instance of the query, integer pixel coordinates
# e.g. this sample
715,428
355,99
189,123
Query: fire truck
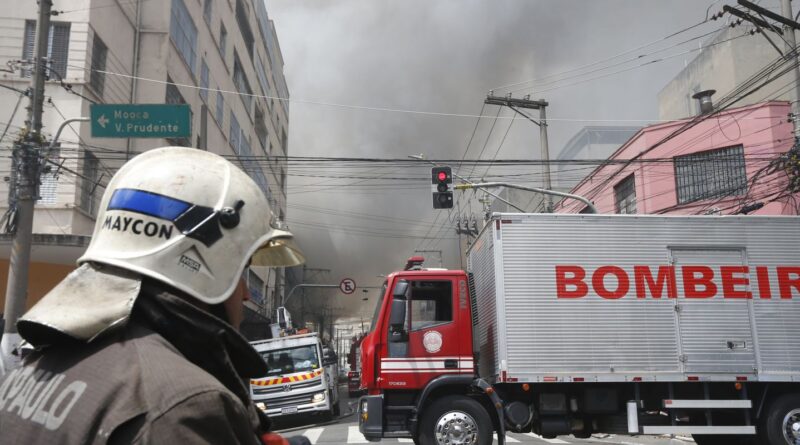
302,376
584,324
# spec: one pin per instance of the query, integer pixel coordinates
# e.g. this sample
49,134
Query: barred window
89,181
625,196
48,189
57,48
173,96
97,79
710,174
183,32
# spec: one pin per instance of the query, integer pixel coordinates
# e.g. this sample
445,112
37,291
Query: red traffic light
442,176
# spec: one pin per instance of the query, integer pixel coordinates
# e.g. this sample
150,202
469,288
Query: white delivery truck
302,377
582,324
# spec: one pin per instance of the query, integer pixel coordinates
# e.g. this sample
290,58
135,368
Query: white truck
582,324
302,377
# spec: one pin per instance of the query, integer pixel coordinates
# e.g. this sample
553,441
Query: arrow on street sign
102,120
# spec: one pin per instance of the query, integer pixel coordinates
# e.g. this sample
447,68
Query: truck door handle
451,364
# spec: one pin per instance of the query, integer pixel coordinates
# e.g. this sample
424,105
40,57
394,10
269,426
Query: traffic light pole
588,203
26,162
421,157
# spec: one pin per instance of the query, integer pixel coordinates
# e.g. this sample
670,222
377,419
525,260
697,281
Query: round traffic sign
347,286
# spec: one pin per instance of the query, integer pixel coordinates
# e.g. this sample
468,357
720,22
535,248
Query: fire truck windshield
291,360
378,307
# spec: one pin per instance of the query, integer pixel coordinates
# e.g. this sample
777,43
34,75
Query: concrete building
221,57
729,58
722,165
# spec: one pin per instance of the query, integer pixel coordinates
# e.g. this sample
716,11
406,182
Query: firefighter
136,345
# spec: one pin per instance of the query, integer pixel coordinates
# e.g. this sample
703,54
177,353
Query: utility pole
786,10
787,33
540,105
26,165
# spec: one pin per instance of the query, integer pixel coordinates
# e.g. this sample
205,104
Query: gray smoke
442,56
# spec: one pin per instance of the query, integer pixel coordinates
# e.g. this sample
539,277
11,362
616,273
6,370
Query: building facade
729,163
728,59
221,57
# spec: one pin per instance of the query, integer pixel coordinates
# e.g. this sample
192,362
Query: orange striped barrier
291,379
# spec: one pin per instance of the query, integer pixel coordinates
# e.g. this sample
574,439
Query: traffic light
442,180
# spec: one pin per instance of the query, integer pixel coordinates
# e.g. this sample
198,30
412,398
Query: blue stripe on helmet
147,203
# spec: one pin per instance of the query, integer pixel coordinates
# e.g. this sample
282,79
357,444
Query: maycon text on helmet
137,226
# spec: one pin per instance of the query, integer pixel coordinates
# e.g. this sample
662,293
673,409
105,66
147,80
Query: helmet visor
278,252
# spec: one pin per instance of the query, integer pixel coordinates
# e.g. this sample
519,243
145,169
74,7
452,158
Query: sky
386,79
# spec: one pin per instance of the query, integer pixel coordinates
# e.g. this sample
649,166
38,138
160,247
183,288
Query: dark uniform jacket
172,375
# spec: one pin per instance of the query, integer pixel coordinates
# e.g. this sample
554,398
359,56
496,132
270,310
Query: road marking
509,439
313,434
354,435
546,440
405,440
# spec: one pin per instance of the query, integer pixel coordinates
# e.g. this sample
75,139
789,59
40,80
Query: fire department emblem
432,341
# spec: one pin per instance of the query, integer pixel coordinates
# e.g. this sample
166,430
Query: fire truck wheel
335,410
455,420
781,425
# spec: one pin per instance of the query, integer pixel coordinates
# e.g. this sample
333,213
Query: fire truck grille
274,389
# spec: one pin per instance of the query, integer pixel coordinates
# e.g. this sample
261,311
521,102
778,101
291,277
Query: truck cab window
431,303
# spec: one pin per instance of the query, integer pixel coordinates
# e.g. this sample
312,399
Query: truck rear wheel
455,420
781,425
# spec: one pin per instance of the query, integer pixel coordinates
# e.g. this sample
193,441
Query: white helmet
190,219
181,216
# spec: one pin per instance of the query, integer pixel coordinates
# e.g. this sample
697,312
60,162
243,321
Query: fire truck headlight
318,397
262,406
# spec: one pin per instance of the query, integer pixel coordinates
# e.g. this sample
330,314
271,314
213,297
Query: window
261,73
57,48
183,33
431,303
261,128
173,96
242,85
97,79
625,196
284,141
242,19
204,81
207,10
223,40
89,181
48,189
234,138
220,111
291,360
256,287
710,174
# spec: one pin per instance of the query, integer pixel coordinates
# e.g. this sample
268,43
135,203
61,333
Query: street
345,430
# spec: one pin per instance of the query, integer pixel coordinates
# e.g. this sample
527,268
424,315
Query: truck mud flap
370,417
487,389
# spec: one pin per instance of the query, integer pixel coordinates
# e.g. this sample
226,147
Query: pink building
723,164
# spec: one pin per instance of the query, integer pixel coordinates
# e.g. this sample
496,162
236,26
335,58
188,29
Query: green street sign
141,121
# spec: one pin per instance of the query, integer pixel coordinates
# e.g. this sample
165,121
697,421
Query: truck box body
562,298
